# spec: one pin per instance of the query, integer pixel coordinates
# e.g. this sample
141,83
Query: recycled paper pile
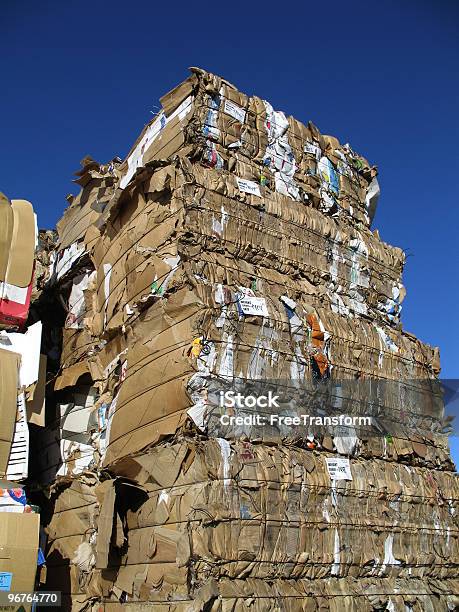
21,396
233,245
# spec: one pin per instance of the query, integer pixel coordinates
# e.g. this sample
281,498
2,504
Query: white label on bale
253,306
235,111
248,187
339,468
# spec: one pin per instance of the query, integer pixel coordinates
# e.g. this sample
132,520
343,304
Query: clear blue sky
82,77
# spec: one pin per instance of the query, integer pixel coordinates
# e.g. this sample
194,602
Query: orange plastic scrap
318,340
317,333
322,363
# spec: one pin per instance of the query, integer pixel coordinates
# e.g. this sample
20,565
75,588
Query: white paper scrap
77,306
313,148
68,257
197,413
28,346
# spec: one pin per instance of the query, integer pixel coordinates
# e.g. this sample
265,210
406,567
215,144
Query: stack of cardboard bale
232,246
22,372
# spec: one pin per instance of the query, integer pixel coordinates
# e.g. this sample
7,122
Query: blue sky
83,77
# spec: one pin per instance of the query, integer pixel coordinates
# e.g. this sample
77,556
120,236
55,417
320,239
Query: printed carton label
253,306
339,468
235,111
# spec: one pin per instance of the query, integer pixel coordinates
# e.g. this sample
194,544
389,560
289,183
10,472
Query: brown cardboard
292,530
105,523
71,375
174,98
36,406
9,367
22,249
19,549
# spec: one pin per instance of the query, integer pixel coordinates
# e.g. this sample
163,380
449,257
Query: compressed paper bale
200,211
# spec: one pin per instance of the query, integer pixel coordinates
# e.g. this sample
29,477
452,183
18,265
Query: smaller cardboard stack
71,529
22,384
22,401
247,516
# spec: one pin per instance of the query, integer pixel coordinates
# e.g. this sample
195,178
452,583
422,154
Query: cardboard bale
231,247
258,512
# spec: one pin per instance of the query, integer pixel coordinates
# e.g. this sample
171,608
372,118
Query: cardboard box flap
22,250
105,523
9,373
36,405
70,375
6,232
